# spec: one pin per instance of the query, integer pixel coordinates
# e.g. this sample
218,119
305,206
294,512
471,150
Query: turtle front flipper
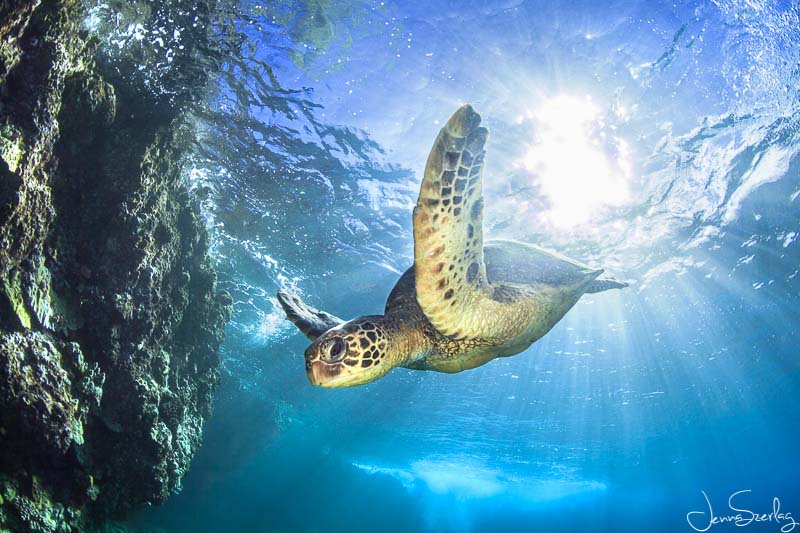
312,322
451,282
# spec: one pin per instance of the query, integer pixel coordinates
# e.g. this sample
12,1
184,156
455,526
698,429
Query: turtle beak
319,372
312,362
315,373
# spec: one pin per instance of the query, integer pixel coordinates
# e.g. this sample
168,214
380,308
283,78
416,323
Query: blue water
658,140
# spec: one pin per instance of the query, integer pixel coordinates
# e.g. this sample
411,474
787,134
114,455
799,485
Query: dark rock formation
110,321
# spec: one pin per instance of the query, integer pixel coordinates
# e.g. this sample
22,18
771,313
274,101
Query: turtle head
351,354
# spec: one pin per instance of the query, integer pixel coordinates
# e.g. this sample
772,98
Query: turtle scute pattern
366,344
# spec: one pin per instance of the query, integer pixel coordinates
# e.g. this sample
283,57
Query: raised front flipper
451,282
312,322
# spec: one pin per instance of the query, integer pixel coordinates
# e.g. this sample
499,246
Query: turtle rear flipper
604,284
312,322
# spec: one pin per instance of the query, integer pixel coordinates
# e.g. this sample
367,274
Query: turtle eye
337,348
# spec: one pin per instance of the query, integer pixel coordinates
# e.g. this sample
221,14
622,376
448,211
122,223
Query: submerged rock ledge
110,320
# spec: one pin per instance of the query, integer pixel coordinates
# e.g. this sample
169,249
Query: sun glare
578,165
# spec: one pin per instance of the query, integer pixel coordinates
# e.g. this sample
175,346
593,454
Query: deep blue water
656,139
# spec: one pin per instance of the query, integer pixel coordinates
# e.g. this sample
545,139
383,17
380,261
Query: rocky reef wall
110,320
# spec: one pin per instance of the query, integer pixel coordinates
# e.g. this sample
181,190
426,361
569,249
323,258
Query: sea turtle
464,302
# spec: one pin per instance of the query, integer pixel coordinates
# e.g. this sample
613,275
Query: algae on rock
110,320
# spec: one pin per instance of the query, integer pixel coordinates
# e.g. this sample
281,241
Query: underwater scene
266,171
